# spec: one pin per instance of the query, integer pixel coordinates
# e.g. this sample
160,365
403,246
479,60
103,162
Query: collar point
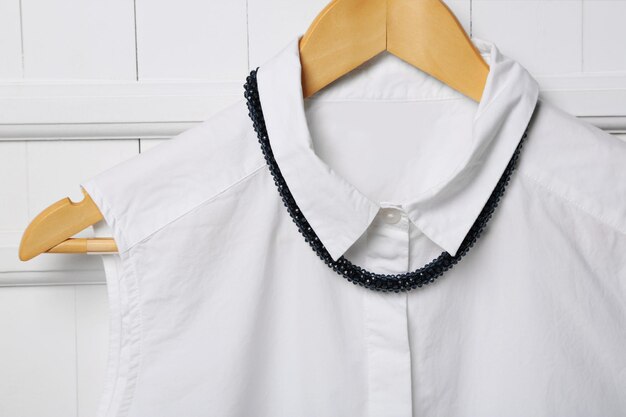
452,251
335,253
450,245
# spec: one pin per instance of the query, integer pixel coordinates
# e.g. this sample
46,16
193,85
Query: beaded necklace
354,273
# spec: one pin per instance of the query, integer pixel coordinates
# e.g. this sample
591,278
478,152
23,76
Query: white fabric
222,309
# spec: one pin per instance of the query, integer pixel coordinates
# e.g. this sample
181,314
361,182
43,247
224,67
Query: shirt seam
123,368
576,204
107,210
115,332
136,334
195,206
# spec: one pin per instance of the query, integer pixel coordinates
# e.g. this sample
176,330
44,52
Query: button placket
386,326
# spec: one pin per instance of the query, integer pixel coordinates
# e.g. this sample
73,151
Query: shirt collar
338,212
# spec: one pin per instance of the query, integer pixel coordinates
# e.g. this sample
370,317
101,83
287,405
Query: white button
390,215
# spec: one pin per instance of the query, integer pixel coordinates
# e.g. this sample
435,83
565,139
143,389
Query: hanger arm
52,229
345,34
424,33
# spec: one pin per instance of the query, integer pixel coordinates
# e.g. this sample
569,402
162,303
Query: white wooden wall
85,84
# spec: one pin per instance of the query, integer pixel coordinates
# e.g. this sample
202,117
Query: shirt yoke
145,193
202,163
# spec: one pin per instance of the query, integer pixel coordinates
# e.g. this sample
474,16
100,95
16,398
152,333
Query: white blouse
220,308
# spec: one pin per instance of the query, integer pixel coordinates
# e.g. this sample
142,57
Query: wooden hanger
347,33
424,33
52,229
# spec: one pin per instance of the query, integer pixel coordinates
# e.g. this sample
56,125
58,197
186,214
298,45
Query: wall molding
599,98
39,110
109,110
47,268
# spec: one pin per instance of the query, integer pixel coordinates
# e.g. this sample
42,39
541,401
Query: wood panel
78,39
10,40
91,346
273,23
545,36
92,110
37,352
56,167
191,39
147,144
604,35
13,192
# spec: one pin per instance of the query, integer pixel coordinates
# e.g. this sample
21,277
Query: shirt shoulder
579,162
143,194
